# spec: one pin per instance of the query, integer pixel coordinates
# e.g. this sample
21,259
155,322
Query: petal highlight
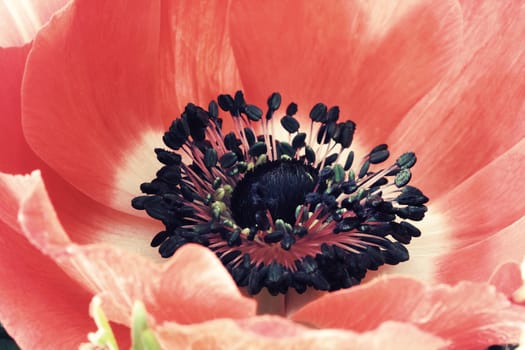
21,19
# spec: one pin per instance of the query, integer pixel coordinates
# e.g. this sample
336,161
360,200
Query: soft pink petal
269,332
476,114
195,287
470,315
375,60
32,283
40,305
21,19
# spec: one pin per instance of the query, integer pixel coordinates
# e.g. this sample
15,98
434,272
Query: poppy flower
100,88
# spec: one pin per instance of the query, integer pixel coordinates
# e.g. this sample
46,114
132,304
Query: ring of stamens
332,226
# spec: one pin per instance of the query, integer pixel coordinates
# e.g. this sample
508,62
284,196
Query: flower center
281,214
278,187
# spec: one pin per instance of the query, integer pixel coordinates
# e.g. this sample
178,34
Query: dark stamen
280,214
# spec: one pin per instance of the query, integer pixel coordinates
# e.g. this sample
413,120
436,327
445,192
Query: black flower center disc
278,187
280,214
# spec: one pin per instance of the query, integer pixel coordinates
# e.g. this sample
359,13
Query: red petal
16,156
470,315
477,114
375,60
33,285
269,332
20,20
99,90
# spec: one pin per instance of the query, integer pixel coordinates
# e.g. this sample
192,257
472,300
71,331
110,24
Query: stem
284,304
269,304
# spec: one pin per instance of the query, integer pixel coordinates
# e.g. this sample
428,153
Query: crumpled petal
40,305
519,295
470,315
270,332
191,287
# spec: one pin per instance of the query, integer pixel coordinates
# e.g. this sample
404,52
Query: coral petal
21,19
106,271
462,225
488,201
104,88
467,217
376,60
95,219
478,113
273,333
91,85
468,314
